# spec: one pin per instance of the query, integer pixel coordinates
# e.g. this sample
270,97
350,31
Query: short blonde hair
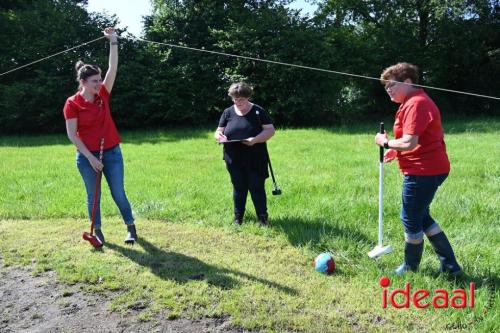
240,89
400,72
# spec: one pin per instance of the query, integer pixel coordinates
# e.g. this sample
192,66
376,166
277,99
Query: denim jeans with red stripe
114,173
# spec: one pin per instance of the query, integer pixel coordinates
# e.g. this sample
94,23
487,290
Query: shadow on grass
487,280
128,137
369,126
166,135
181,268
451,124
316,232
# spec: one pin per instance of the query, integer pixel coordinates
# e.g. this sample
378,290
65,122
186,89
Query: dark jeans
418,192
245,180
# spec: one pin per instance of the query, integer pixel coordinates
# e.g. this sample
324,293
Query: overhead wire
253,59
50,56
309,67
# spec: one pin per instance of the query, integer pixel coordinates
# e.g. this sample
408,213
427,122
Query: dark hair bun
84,71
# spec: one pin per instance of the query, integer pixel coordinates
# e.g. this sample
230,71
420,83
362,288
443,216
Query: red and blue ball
324,263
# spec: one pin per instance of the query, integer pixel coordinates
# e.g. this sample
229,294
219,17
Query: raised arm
109,79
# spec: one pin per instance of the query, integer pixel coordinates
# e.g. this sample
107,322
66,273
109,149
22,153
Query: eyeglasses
239,99
391,85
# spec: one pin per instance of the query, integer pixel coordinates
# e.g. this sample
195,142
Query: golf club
380,249
93,240
276,189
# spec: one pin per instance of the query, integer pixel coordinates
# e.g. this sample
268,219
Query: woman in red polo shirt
421,152
88,120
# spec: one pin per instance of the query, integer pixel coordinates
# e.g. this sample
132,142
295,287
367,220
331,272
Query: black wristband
386,145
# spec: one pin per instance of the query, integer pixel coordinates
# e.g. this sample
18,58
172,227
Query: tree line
456,44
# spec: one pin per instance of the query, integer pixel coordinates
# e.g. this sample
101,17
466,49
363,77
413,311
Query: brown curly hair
400,72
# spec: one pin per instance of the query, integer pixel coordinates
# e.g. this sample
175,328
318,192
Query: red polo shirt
94,119
418,115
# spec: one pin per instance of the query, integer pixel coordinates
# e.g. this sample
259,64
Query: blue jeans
244,180
418,192
113,171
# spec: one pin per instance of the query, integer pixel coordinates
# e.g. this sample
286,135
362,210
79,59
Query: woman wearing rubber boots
88,121
421,152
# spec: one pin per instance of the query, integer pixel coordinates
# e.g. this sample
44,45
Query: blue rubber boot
445,253
413,255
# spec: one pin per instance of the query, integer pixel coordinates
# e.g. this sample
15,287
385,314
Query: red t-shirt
418,115
94,119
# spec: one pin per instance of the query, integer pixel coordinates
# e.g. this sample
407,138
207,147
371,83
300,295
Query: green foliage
190,87
31,99
455,43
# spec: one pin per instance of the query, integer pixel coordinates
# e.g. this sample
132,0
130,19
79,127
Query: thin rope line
253,59
53,55
310,68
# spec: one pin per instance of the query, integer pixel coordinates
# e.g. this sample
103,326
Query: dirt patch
39,304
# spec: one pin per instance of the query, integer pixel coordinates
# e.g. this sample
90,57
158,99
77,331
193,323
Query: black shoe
445,253
264,220
131,235
98,233
238,219
413,256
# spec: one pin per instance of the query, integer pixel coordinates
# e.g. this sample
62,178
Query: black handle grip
382,148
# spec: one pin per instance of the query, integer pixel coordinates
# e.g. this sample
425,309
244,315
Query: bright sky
130,15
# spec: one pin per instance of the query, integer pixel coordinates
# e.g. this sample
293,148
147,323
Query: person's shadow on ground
301,231
181,268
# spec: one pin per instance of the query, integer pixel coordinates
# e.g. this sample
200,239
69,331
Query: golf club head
276,190
93,240
379,251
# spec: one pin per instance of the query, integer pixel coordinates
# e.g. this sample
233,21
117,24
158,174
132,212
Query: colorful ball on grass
324,263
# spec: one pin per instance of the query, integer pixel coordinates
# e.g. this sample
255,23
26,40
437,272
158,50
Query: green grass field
261,277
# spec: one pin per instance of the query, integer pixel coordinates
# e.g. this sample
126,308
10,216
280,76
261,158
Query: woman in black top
244,128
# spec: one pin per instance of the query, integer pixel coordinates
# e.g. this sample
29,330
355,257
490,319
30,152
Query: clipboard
232,141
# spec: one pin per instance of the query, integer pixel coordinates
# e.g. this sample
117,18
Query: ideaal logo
419,298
